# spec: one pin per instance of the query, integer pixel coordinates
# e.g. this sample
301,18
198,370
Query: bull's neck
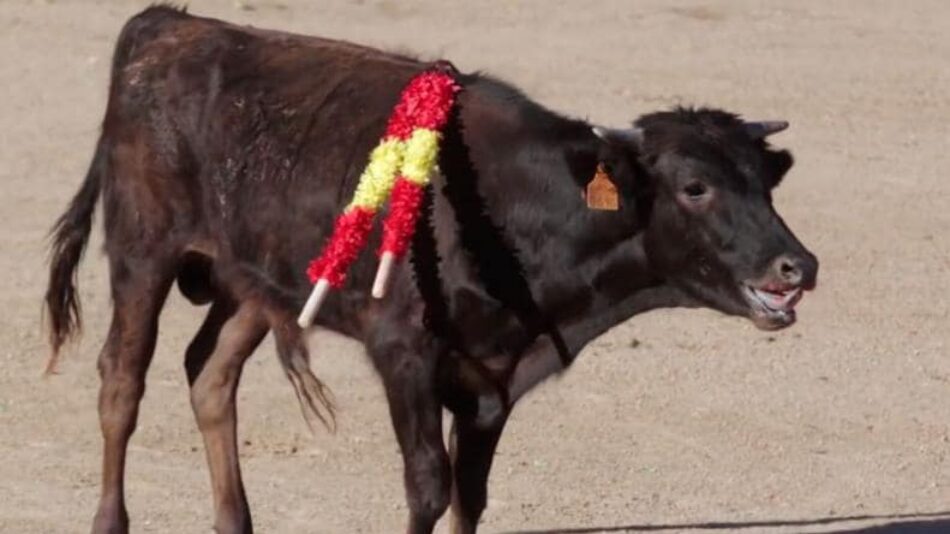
535,244
591,271
588,270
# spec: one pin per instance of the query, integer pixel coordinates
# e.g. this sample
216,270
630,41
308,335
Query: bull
225,153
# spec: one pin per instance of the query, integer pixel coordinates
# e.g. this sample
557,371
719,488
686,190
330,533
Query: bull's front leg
408,373
472,449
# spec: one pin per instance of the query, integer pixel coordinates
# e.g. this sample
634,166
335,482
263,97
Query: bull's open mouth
770,308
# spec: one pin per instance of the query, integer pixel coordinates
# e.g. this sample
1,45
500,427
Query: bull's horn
760,129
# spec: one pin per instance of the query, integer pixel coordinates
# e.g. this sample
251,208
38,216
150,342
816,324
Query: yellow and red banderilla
398,170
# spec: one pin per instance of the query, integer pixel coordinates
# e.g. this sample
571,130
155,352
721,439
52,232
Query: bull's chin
769,310
772,320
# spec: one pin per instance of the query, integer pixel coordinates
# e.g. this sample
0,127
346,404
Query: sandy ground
673,421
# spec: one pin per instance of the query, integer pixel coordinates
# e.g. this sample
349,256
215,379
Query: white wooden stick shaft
382,275
312,306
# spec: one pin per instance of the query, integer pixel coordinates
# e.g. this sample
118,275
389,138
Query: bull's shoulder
490,104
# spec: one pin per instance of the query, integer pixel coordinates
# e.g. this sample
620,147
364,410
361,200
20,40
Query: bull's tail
315,398
68,240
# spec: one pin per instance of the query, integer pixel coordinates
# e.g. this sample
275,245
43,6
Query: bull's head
706,181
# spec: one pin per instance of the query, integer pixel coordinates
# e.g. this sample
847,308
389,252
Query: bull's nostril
789,270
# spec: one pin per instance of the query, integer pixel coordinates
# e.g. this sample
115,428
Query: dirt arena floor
674,421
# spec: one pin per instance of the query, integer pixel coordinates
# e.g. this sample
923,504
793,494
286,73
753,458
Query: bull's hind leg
213,363
139,288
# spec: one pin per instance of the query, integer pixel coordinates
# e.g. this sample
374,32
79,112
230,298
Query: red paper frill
404,205
424,103
350,234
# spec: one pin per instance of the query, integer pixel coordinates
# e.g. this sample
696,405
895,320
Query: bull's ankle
111,519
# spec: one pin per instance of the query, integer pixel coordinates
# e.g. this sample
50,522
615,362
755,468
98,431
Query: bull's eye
695,190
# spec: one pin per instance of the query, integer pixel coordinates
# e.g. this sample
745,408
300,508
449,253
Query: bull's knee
119,395
212,399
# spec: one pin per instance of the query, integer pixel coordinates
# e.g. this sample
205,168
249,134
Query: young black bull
225,154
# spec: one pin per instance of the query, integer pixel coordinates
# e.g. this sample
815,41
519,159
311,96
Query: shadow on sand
919,523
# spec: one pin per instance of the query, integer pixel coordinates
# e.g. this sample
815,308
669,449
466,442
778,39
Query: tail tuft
315,398
68,241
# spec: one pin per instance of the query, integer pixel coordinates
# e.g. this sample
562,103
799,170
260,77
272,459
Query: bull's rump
262,133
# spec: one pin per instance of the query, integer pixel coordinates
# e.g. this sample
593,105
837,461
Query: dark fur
225,154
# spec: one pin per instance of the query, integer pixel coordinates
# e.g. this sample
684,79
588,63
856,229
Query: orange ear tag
601,191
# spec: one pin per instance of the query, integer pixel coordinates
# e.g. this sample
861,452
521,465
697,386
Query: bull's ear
777,164
621,136
617,155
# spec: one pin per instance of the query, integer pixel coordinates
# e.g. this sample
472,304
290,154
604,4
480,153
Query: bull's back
272,105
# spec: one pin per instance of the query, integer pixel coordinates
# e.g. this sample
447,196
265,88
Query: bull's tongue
778,300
